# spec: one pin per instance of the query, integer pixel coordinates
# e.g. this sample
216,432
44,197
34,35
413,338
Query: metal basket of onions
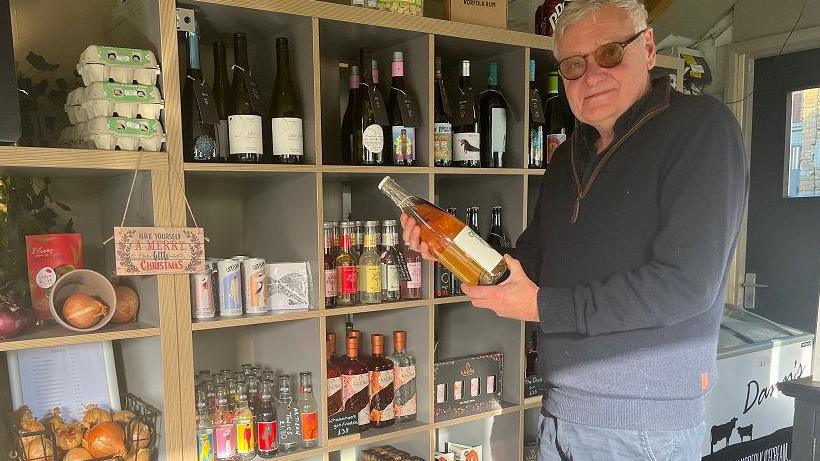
127,435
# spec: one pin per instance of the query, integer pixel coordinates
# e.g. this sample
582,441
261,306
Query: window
802,175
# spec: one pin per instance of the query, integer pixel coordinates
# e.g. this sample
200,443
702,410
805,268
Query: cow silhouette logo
745,432
723,431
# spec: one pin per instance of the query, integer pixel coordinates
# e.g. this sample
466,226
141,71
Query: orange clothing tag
704,381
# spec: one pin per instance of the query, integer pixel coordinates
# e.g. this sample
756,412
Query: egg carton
118,133
100,63
107,99
74,136
74,108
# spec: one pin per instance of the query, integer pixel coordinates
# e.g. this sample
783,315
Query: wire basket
140,433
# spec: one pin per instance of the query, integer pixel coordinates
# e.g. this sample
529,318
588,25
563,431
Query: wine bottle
370,271
404,379
198,137
466,137
222,96
347,276
347,119
554,109
391,282
403,138
497,238
455,245
368,136
356,384
244,120
329,263
382,392
411,289
285,111
493,121
442,129
536,131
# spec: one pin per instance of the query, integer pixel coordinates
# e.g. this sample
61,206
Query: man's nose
595,73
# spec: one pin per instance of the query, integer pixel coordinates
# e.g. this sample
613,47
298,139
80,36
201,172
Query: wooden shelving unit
276,211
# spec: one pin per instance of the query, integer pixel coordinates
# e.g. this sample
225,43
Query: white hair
576,10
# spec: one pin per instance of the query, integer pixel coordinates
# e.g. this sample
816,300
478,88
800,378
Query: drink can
202,293
229,276
254,285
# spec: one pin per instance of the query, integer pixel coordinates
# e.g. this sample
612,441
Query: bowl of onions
82,300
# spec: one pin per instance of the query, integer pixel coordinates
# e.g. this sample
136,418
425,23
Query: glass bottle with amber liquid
370,274
244,119
382,393
454,244
266,431
404,379
347,274
328,228
356,384
285,111
334,377
391,282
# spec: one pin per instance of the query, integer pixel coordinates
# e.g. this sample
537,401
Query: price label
341,424
377,103
401,265
409,109
536,110
252,89
205,103
445,100
465,111
534,386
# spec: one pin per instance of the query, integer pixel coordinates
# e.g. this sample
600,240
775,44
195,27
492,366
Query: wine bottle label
466,146
476,248
330,283
415,275
225,437
443,141
287,136
404,144
266,435
390,276
245,133
537,145
373,139
553,141
442,279
355,392
348,278
205,446
310,426
334,392
245,440
498,117
405,384
382,392
372,277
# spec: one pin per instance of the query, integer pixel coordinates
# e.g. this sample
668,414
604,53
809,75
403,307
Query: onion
140,434
39,449
105,439
22,414
83,311
28,319
55,421
77,454
10,324
94,414
31,424
143,454
124,416
69,437
128,303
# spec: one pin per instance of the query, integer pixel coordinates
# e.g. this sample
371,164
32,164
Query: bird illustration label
466,146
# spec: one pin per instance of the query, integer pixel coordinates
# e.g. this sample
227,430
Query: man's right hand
412,237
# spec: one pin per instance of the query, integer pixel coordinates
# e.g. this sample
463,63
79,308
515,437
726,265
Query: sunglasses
607,56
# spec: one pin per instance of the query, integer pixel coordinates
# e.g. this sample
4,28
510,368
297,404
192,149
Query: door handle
749,285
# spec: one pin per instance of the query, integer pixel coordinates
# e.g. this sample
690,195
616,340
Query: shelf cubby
416,442
498,436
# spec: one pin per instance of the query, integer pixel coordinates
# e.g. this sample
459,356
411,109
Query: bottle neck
390,237
497,218
397,194
219,58
193,50
370,239
330,241
353,82
397,70
347,240
282,64
240,54
366,67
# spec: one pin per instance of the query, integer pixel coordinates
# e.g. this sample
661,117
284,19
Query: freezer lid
740,327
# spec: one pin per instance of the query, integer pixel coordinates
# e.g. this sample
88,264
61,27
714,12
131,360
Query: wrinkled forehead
606,25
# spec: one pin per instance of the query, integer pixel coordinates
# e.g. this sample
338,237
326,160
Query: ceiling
686,18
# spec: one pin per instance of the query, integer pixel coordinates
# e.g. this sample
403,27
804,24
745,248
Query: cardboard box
444,457
468,385
531,451
492,13
464,452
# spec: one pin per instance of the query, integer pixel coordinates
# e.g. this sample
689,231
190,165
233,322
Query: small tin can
229,275
202,293
254,286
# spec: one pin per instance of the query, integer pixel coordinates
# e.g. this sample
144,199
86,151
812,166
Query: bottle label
415,275
370,240
205,446
553,141
476,248
442,279
225,437
404,144
390,274
405,384
443,141
466,146
498,116
334,395
397,69
348,279
372,276
334,385
310,426
382,392
357,386
330,283
266,435
373,139
245,440
287,136
245,134
537,145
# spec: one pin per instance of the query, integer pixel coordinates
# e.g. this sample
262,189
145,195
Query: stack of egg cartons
120,105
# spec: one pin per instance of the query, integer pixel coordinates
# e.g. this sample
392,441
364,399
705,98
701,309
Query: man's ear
651,50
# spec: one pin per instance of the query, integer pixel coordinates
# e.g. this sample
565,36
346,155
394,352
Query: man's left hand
514,298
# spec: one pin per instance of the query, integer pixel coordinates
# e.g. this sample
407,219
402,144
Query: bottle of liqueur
403,138
405,378
329,264
497,238
381,385
536,130
442,129
246,440
347,119
222,96
368,135
204,428
356,384
244,119
466,134
455,245
334,377
411,289
289,430
285,111
554,109
224,427
198,136
391,281
532,354
308,418
370,273
347,277
493,121
266,431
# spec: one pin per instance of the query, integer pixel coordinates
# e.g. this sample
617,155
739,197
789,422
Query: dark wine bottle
443,129
493,121
536,130
497,238
466,137
368,135
285,111
402,137
222,96
555,112
244,120
198,137
347,119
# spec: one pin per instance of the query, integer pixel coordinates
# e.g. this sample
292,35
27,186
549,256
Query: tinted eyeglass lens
609,55
573,68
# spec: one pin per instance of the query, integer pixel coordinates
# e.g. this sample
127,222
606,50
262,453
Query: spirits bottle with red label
356,384
347,274
266,431
382,413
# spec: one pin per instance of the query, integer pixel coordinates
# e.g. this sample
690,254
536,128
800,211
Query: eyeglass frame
622,44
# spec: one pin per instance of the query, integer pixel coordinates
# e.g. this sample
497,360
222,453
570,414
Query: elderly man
625,263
